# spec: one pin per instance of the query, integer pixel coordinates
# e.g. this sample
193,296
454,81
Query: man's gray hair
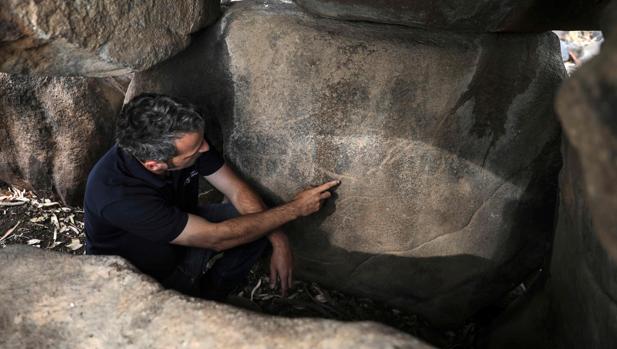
150,123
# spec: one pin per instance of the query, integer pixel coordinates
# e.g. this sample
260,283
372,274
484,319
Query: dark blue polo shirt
134,213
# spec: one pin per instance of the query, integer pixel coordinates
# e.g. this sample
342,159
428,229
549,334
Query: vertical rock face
96,38
52,130
584,262
479,16
583,275
587,107
577,307
446,146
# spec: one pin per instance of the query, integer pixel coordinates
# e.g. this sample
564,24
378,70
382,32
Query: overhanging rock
96,38
477,16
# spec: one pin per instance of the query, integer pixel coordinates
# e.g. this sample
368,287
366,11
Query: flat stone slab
446,145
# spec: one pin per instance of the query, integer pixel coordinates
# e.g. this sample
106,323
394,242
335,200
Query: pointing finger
327,185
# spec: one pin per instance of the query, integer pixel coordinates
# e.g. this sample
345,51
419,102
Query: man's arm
244,198
241,195
198,232
246,201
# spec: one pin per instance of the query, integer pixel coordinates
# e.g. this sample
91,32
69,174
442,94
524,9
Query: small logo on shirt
191,175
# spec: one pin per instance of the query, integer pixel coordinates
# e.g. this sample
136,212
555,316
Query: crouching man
141,204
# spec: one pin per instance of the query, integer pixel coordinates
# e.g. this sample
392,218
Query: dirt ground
39,222
45,223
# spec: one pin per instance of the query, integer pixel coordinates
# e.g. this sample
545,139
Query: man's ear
155,166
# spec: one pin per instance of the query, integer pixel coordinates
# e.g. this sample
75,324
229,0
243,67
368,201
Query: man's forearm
249,227
247,201
199,232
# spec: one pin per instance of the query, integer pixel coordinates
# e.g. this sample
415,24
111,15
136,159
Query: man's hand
311,200
281,262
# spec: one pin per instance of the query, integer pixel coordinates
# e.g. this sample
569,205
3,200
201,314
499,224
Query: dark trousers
205,273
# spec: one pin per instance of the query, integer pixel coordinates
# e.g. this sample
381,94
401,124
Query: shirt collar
136,169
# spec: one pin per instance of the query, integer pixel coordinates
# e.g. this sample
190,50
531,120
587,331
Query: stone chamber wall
469,161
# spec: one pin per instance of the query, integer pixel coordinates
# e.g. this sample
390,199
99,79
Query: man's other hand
311,200
281,262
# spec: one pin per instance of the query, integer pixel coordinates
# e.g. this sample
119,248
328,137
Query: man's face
188,147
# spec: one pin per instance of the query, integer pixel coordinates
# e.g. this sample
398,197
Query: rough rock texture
96,38
53,129
480,16
59,301
446,145
577,306
583,275
587,107
609,19
584,262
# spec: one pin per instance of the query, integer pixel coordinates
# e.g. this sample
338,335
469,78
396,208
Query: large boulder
445,143
50,300
479,16
576,307
53,129
587,107
583,285
584,261
96,38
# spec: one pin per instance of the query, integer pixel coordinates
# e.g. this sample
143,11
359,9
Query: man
141,204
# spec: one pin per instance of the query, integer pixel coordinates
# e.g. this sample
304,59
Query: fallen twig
54,221
255,289
12,203
8,232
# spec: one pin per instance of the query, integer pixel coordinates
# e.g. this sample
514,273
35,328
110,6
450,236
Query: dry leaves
74,245
63,226
16,198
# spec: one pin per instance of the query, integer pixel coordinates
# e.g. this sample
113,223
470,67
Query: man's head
161,132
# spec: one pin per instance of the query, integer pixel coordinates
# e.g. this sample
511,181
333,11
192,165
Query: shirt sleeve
148,217
209,162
